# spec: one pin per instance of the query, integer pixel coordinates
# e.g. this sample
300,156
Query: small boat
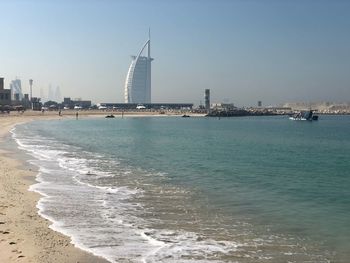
304,116
110,116
185,116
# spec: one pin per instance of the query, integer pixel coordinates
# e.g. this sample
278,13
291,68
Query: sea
171,189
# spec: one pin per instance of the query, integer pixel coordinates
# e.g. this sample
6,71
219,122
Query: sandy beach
24,235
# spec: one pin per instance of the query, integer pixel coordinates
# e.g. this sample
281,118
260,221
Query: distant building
259,103
36,103
31,88
51,95
16,90
138,80
58,96
26,102
16,97
5,94
67,102
149,106
223,106
207,99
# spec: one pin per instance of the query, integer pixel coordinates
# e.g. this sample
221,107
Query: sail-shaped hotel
138,79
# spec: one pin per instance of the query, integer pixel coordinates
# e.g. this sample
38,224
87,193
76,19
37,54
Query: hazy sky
244,51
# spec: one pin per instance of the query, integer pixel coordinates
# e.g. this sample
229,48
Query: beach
24,235
144,190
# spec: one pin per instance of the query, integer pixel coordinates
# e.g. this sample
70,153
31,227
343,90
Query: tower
31,92
138,80
31,88
207,99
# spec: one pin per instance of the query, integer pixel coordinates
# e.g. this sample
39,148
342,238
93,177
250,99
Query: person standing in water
76,115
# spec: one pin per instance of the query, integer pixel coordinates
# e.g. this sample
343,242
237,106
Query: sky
275,51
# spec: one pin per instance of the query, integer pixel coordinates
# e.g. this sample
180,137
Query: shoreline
25,236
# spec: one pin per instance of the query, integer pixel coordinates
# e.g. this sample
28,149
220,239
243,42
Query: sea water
171,189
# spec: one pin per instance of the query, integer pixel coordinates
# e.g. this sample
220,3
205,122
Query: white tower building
138,79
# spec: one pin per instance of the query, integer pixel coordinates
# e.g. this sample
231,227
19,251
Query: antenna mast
149,43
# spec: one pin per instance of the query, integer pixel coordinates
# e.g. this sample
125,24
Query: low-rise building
149,106
84,104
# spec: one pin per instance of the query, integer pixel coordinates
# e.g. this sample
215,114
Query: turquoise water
171,189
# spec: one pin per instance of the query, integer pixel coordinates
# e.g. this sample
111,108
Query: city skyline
243,51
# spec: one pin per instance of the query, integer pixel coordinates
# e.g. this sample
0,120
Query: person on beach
76,115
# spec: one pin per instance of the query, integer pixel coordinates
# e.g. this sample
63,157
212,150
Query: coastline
24,235
55,247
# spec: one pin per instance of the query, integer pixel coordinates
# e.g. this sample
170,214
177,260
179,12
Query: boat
304,116
185,116
110,116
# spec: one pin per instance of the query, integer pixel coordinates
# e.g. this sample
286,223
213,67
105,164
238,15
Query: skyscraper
16,88
138,79
58,97
50,94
